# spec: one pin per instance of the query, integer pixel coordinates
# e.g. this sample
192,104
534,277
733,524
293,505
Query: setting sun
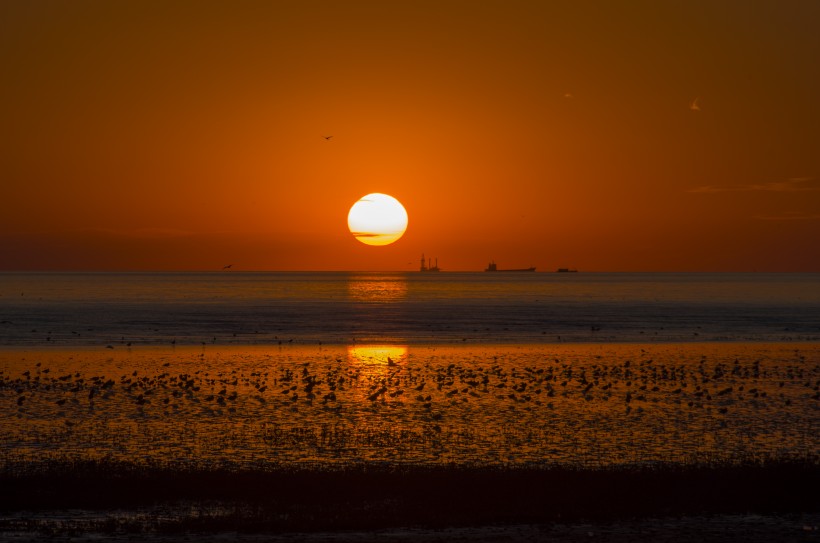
377,219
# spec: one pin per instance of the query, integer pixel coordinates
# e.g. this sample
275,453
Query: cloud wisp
794,184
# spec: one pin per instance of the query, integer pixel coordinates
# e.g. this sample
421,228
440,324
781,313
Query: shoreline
295,346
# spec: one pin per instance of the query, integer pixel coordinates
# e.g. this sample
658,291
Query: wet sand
633,422
750,528
584,405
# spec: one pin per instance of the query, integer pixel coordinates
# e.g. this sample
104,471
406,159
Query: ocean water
76,309
261,369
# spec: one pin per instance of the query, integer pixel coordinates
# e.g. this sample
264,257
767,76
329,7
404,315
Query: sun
377,219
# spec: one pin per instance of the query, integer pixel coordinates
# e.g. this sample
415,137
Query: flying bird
694,105
327,137
227,267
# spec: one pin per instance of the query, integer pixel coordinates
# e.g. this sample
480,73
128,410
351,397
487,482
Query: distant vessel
491,267
565,270
427,265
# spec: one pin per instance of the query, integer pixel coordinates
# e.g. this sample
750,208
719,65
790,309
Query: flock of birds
388,380
436,392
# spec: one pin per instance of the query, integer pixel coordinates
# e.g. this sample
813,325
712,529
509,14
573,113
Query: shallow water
581,404
78,309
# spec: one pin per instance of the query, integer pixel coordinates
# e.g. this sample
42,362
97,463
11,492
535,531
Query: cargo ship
491,267
427,265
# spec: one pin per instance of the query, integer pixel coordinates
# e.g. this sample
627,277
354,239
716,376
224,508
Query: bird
327,137
694,105
227,267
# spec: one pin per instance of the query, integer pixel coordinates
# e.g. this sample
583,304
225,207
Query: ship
427,265
566,270
492,267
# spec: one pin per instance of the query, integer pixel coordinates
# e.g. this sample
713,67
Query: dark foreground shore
710,442
775,500
746,528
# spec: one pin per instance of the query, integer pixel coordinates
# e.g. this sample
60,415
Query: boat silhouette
492,267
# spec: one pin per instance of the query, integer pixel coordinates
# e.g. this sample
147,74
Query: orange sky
189,135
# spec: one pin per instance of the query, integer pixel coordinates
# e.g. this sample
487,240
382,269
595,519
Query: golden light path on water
377,355
376,288
591,405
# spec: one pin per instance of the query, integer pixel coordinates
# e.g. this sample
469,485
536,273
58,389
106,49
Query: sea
248,308
267,369
269,373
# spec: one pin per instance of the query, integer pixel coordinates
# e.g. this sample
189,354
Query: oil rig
427,265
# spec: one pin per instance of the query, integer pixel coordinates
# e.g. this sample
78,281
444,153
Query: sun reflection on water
378,288
376,354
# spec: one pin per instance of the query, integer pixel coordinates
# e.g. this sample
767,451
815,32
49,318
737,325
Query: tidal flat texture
274,440
578,405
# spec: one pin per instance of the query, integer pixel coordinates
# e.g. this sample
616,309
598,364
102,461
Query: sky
601,136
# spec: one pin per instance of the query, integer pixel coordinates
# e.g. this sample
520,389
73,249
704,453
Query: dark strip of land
372,497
